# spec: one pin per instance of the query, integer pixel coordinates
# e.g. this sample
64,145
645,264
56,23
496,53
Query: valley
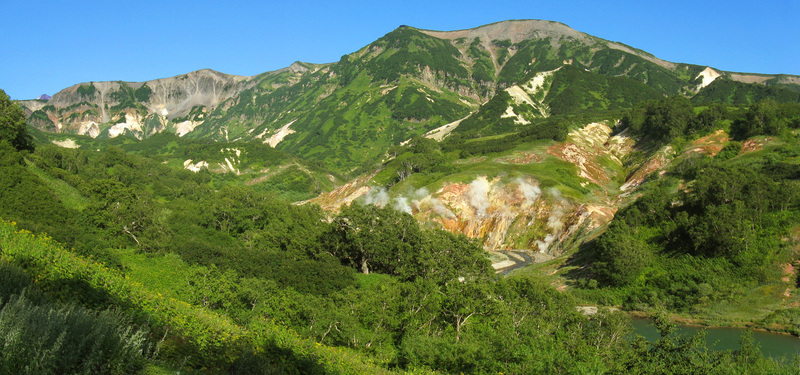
434,202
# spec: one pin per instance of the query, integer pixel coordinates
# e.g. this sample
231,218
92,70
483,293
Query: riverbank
706,323
773,345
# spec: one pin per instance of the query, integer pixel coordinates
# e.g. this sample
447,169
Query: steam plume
478,195
529,191
554,221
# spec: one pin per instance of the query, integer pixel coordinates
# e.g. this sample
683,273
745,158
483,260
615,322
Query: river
724,338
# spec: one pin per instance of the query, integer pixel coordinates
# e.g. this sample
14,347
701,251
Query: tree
761,119
368,236
622,257
443,257
12,124
661,121
707,120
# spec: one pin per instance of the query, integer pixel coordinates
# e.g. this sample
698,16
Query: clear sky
50,45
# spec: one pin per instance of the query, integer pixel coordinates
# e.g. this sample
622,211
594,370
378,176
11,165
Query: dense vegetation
732,92
180,271
712,227
116,259
42,336
12,124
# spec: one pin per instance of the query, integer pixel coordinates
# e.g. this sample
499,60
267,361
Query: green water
722,338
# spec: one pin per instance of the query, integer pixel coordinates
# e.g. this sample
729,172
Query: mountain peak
513,30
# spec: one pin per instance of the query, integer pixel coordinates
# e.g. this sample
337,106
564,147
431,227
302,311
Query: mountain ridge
407,83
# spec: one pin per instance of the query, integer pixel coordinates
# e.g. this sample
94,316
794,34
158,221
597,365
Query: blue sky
51,45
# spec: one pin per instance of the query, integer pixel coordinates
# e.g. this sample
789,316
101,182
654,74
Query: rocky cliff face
137,108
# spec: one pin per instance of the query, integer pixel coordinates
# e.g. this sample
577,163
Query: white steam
555,220
478,195
401,204
440,209
529,191
412,199
377,196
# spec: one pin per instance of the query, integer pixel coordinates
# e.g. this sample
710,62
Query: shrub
48,338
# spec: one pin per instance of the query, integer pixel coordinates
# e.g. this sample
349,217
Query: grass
69,196
165,273
752,307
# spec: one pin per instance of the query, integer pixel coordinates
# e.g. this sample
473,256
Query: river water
723,338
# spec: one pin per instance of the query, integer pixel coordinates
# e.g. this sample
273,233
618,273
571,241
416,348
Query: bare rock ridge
519,30
84,107
172,97
515,31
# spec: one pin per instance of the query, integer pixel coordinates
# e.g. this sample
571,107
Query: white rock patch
526,94
518,119
131,123
185,127
280,135
88,128
520,96
536,84
709,75
162,110
195,167
67,143
442,131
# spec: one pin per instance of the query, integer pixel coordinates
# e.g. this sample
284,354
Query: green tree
761,119
368,236
707,120
622,257
663,120
12,124
443,257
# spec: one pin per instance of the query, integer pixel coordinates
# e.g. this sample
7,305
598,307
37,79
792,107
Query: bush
47,339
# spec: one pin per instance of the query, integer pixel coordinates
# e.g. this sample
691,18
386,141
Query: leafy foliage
390,242
87,90
12,124
661,121
766,118
728,91
414,51
47,338
575,90
682,248
672,354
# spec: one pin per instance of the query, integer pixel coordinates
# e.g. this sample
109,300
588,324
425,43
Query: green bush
53,339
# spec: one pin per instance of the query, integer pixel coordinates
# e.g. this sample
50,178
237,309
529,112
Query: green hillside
463,202
207,278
